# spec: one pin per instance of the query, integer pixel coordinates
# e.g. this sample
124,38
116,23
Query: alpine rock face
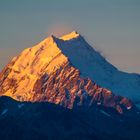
69,72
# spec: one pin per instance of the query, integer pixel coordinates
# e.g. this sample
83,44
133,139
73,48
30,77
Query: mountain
65,71
63,89
51,53
92,64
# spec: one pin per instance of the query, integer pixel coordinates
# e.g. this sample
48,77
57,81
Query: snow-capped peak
70,36
52,53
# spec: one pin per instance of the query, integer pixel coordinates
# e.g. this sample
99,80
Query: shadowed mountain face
91,64
25,120
45,73
69,73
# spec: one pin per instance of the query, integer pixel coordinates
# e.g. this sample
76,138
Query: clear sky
113,26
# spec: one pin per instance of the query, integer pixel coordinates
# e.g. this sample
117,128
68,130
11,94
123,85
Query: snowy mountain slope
92,64
23,71
64,87
60,70
62,91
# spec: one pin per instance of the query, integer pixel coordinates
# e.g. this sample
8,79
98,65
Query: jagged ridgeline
69,72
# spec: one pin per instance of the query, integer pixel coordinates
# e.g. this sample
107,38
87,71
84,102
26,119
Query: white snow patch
129,107
4,111
105,113
20,106
99,103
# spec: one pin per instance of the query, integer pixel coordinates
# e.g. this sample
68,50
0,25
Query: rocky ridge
45,73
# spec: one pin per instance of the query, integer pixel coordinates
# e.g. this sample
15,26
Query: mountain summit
70,36
69,72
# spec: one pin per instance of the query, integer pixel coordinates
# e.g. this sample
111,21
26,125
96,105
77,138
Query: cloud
60,29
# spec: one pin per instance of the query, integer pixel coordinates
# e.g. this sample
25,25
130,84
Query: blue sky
113,26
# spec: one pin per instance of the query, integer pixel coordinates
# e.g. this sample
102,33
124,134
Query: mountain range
66,76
